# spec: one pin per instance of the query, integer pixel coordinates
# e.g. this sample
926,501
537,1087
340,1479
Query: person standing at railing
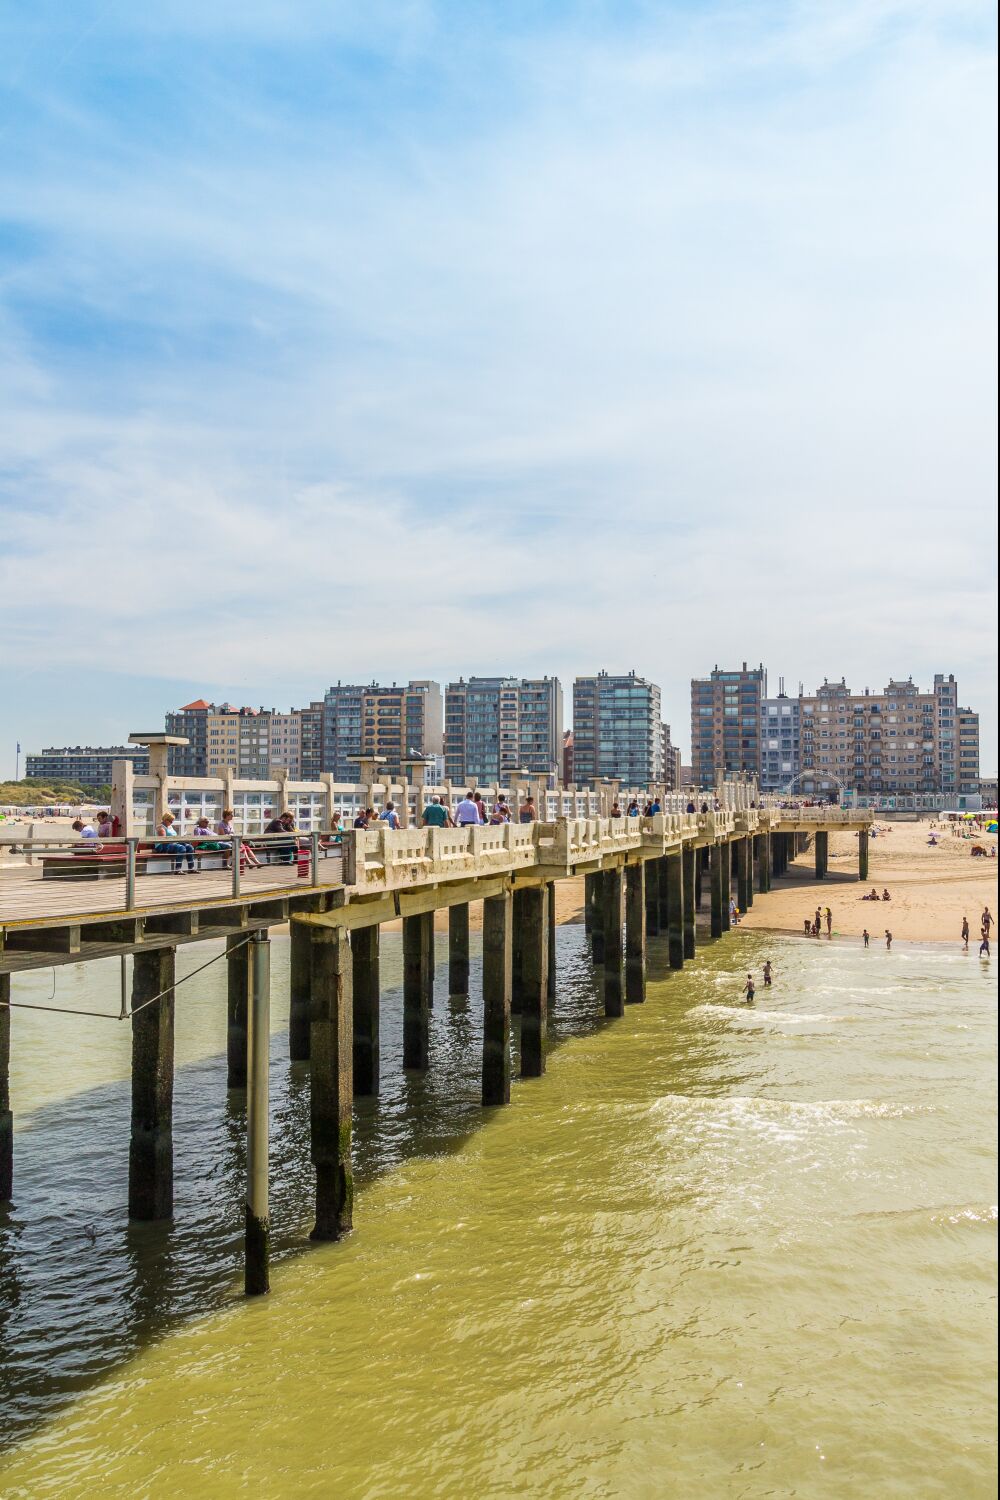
172,845
477,798
389,815
526,812
467,812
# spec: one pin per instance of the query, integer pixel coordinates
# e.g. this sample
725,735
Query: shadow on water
82,1289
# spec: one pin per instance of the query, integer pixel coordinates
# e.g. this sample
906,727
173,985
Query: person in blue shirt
389,815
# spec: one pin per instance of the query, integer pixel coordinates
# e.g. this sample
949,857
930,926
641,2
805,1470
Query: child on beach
866,937
888,938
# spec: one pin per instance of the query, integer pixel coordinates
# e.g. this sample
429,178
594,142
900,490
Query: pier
645,878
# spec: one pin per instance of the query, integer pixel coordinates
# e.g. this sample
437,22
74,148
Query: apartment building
284,744
725,723
497,725
220,736
671,761
967,729
86,765
899,741
617,730
400,723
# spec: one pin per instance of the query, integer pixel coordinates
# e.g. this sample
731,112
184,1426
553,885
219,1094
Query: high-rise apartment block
725,723
497,725
617,730
968,750
399,723
899,741
220,736
671,760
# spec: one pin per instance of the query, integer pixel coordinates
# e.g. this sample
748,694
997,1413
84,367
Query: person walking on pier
436,815
467,812
389,815
178,851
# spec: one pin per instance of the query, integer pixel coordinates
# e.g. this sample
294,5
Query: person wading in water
748,989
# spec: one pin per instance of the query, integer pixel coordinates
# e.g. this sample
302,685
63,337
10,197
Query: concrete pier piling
744,872
332,1048
366,996
517,916
715,881
727,884
822,855
699,871
597,927
688,864
256,1264
675,910
6,1117
151,1145
863,855
636,913
551,910
589,902
299,993
458,949
663,895
237,1008
652,869
418,980
497,979
532,943
614,979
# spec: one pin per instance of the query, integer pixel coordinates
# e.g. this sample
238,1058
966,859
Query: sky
418,340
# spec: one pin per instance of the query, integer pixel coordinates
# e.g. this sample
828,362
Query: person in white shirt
467,813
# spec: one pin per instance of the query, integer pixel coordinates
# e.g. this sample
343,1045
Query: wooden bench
110,862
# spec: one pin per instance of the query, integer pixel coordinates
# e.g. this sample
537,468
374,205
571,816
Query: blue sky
414,339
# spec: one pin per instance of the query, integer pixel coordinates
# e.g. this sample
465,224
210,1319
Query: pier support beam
151,1147
532,940
715,887
6,1118
365,989
590,902
497,964
822,854
611,901
237,1008
597,927
636,914
744,873
551,986
727,885
518,907
458,949
256,1262
699,870
689,859
418,989
331,1044
299,992
863,854
652,877
675,905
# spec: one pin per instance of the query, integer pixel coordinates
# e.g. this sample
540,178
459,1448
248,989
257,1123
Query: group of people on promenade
470,811
169,840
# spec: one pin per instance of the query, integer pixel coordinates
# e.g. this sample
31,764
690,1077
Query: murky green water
712,1252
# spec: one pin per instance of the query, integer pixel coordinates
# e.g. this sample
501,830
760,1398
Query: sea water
715,1250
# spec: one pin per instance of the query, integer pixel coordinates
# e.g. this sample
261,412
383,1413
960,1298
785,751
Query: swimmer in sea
748,989
767,975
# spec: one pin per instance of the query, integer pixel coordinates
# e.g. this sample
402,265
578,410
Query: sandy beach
931,888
